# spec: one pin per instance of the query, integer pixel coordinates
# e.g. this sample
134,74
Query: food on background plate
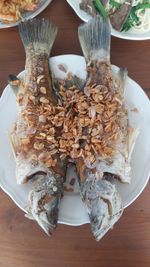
33,134
12,10
124,15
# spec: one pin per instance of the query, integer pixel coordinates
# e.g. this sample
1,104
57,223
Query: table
22,242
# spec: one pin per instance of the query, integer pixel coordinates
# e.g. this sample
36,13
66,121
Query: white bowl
130,35
72,211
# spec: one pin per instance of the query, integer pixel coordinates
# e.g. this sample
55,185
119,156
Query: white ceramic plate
130,35
72,211
28,15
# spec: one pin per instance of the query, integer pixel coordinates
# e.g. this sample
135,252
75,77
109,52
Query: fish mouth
26,171
34,174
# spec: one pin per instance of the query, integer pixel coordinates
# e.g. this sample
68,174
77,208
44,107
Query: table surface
22,242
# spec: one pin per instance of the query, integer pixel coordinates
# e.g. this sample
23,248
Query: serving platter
72,211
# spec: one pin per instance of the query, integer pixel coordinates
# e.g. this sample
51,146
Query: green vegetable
142,6
100,8
133,18
130,22
115,4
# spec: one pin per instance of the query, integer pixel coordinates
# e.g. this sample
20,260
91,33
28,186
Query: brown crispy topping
25,141
34,157
42,119
38,146
82,126
20,98
43,135
51,162
32,98
44,100
39,78
50,139
43,90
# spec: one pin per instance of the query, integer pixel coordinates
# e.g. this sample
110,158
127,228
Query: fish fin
120,78
132,137
36,32
12,145
14,83
95,37
29,216
123,73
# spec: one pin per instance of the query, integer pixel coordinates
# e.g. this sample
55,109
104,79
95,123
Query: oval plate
135,97
130,35
28,15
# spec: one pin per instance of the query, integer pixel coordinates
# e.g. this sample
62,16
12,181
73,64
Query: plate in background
28,14
130,35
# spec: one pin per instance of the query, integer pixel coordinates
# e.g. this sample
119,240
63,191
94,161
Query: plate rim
5,187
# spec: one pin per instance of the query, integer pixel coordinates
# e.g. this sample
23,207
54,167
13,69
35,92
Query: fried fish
33,136
112,150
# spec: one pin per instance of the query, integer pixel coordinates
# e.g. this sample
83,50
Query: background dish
28,15
130,35
135,98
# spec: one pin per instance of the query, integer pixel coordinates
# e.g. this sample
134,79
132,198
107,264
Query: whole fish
103,203
35,131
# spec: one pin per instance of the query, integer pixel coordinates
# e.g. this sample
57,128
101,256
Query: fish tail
94,38
123,73
35,32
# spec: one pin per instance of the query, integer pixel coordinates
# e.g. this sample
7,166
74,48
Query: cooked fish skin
38,36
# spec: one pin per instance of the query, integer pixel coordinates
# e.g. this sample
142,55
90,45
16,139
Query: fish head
44,199
103,204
